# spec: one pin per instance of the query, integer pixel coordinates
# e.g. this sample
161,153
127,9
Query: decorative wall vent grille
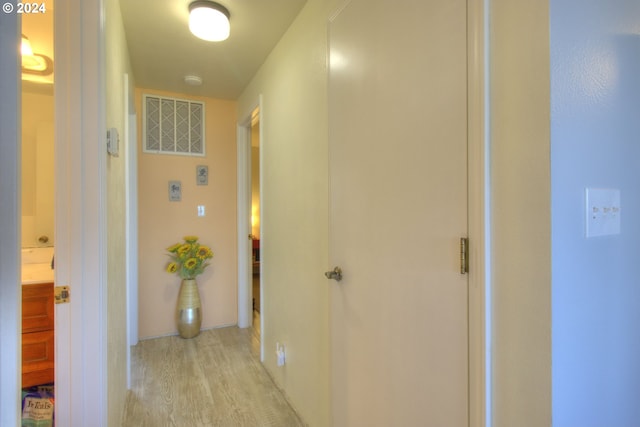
173,126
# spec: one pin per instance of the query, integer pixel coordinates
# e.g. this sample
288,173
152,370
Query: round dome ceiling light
209,20
192,80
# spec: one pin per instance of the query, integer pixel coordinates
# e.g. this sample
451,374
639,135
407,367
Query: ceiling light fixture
193,80
209,20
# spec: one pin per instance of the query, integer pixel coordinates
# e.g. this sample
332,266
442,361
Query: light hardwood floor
214,379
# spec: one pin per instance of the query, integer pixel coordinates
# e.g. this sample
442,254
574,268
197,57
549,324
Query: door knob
335,274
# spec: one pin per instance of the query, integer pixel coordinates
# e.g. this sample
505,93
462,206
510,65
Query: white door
398,170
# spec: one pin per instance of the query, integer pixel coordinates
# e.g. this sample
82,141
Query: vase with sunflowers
188,260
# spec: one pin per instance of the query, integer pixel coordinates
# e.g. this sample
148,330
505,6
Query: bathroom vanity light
25,48
209,20
34,63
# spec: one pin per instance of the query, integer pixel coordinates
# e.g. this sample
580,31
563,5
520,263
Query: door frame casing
244,227
10,212
131,203
479,215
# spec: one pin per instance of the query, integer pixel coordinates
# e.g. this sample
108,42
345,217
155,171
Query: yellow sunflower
172,267
188,259
191,263
174,248
204,252
184,248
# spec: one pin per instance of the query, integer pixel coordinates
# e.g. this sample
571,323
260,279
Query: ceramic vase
188,309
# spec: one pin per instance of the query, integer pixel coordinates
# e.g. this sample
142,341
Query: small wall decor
202,175
175,191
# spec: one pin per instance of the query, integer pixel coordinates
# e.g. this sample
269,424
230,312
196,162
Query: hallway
215,379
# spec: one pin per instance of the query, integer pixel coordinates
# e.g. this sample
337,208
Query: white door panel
397,89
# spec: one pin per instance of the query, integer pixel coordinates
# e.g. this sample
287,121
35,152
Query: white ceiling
163,51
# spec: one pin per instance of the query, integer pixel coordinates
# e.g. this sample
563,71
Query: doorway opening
256,279
37,166
250,235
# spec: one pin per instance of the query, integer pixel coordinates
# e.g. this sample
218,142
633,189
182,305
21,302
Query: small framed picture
175,191
202,175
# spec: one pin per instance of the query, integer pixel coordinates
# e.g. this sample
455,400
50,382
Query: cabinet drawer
37,307
38,358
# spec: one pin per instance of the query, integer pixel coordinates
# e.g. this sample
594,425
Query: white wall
117,64
520,210
294,205
595,99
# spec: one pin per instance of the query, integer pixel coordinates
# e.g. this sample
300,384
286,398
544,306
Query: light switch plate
603,211
113,142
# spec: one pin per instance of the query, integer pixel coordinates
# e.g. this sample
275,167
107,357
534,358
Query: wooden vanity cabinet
37,334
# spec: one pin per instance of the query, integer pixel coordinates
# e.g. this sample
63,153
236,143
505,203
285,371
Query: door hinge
464,255
61,294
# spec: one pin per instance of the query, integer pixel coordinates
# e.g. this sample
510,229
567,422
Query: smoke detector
193,80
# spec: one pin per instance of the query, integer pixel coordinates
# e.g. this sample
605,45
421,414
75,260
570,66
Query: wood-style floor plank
213,380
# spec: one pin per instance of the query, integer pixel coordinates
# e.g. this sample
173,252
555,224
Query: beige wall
162,223
37,163
116,66
521,209
294,204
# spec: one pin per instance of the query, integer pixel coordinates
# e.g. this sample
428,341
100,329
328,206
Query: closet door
398,183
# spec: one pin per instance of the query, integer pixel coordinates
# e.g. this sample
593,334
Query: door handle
335,274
